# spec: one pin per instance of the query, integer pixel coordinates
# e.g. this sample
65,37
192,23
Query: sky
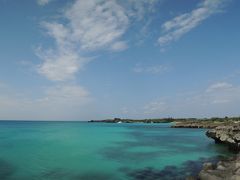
97,59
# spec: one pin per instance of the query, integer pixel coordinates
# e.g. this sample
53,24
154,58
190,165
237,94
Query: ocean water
102,151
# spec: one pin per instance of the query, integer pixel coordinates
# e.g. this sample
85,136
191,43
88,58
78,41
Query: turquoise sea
102,151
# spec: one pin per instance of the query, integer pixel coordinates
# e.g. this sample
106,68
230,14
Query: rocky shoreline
228,169
222,132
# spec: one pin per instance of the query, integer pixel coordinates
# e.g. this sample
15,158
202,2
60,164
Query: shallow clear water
102,151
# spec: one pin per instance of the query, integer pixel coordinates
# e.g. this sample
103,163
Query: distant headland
179,122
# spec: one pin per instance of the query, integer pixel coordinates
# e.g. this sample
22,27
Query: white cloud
65,94
60,65
90,25
223,99
156,69
59,102
43,2
58,32
182,24
84,27
96,24
138,8
220,86
119,46
222,93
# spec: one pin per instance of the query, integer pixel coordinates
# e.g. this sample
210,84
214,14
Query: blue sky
96,59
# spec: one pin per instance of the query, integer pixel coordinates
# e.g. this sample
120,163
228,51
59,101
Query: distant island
119,120
178,122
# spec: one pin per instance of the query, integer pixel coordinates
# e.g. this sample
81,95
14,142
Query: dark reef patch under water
88,151
6,169
157,144
188,168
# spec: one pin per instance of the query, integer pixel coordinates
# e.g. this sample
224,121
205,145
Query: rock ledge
229,135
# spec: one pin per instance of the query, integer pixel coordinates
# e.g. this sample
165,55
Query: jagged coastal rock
229,135
228,169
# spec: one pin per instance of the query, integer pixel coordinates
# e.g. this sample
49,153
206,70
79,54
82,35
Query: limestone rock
227,169
229,135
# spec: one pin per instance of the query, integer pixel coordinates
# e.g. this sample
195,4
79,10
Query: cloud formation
43,2
222,92
91,25
182,24
138,8
218,99
156,69
62,94
96,24
85,27
59,102
220,86
60,65
119,46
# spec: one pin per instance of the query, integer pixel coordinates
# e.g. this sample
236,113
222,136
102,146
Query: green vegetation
218,120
